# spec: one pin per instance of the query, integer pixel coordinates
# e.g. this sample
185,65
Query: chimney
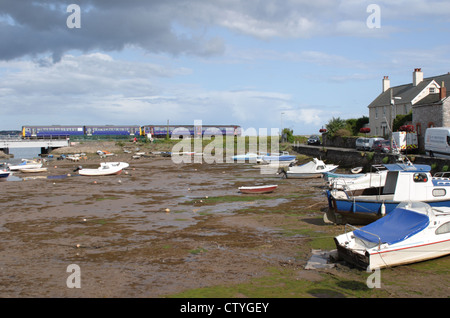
417,76
386,83
442,91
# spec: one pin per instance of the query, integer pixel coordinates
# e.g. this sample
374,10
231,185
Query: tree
287,135
334,125
400,120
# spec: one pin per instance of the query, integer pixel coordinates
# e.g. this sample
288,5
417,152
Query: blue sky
255,63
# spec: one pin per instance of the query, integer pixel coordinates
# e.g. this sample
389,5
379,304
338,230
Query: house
426,98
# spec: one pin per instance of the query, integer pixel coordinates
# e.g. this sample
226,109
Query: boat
25,164
278,157
329,176
124,165
357,170
404,182
4,174
412,232
249,156
33,170
258,189
312,169
104,170
358,184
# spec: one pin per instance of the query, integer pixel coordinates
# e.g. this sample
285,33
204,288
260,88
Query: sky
260,64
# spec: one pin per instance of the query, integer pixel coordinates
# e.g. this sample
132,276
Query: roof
408,91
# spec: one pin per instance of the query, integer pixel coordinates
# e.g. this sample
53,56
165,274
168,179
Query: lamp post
393,115
281,124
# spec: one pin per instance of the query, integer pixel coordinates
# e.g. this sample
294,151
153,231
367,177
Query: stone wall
425,116
341,142
351,158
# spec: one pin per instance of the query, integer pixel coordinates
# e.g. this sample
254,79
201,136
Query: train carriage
178,131
113,130
54,131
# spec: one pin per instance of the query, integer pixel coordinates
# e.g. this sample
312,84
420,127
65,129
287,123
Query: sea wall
350,158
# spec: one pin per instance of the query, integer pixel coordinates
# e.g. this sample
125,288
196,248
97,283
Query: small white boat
412,232
258,189
25,164
124,165
104,170
312,169
33,170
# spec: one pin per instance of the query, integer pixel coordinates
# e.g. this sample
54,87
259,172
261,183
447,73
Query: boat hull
395,256
360,212
4,175
100,172
258,189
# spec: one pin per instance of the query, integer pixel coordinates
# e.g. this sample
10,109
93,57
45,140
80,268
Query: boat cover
408,168
396,226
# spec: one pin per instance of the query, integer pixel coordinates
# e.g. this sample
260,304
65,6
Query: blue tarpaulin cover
408,168
396,226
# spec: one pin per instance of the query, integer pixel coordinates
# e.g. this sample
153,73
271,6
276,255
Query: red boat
258,189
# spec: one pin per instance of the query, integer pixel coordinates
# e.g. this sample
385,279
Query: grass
286,283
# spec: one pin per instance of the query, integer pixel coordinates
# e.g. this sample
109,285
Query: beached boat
4,174
25,164
121,164
312,169
278,157
103,170
33,170
249,156
258,189
404,182
412,232
358,184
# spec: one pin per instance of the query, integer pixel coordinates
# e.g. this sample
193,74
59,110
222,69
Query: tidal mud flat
162,229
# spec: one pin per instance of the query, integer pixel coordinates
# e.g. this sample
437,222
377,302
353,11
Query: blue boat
404,182
284,156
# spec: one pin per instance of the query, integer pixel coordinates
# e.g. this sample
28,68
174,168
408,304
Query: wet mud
156,230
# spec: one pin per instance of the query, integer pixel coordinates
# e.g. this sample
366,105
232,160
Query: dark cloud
33,27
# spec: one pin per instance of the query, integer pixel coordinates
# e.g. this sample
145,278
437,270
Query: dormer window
432,90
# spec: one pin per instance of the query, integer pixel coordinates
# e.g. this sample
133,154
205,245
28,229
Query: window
376,112
420,177
439,192
443,229
432,90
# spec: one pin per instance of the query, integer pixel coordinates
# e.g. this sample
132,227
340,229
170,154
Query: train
153,131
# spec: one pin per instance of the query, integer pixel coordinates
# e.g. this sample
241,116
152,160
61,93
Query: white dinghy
105,169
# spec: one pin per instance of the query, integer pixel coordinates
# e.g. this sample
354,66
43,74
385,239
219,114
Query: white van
437,142
362,143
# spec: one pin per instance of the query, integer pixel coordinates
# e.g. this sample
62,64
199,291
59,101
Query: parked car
381,146
372,140
362,144
314,140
